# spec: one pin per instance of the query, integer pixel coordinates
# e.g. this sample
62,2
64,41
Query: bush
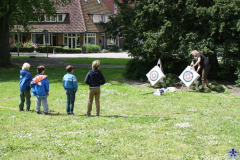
114,48
22,49
43,49
168,81
237,73
92,48
67,50
137,69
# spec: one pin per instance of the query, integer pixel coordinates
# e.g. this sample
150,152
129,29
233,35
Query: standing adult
203,63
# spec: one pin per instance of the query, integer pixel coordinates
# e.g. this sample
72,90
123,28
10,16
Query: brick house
73,26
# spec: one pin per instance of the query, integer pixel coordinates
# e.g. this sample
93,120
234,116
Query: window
41,18
37,38
47,18
90,39
53,18
111,41
99,1
99,18
115,8
60,18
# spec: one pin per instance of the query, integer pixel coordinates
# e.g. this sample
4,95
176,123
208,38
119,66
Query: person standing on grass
24,85
203,63
71,86
40,89
94,79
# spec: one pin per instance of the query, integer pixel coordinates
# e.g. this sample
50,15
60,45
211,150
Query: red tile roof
92,6
73,22
77,18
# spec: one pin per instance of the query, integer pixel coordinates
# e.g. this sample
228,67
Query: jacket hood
39,78
23,72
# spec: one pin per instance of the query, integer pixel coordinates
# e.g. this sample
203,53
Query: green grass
103,61
24,57
206,134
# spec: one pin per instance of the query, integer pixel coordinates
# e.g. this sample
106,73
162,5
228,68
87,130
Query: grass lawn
205,134
24,57
103,61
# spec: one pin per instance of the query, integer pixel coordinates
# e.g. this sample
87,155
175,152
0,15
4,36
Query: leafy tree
20,12
172,29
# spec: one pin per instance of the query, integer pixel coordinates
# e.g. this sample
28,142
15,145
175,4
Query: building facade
73,26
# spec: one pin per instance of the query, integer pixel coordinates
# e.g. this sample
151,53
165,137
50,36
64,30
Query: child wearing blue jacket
94,79
24,85
71,86
40,89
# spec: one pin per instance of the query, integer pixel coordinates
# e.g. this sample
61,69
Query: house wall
59,39
81,39
29,36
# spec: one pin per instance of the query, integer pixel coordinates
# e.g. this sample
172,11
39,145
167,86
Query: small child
24,85
40,89
94,79
71,86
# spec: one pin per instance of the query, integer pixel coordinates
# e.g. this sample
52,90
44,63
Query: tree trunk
4,42
214,62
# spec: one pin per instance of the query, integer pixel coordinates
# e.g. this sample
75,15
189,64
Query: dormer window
99,17
58,17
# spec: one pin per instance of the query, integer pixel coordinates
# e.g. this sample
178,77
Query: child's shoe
88,115
46,113
38,112
21,109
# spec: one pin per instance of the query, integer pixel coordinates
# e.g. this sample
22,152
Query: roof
73,22
92,6
77,18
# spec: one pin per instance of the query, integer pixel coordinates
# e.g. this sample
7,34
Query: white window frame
70,35
90,35
109,39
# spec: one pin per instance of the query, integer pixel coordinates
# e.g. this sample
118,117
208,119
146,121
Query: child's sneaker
21,110
46,113
88,115
68,113
38,112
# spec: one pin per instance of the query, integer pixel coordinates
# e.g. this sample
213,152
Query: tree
172,29
20,12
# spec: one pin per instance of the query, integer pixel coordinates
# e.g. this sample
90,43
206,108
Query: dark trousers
205,72
25,95
70,100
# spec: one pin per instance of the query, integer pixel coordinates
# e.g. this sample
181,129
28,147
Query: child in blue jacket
71,86
24,85
40,89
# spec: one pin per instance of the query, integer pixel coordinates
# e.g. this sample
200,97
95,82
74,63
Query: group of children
39,86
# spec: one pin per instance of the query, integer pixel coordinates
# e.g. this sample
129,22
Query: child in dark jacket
40,89
94,79
71,87
24,85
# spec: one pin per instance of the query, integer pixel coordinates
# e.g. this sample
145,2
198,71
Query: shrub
43,49
237,73
114,48
168,81
92,48
76,50
137,69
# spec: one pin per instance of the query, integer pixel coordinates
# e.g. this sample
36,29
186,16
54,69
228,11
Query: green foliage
92,48
153,29
103,61
137,69
114,48
237,73
169,81
43,49
69,50
22,49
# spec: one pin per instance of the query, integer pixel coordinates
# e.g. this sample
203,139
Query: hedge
43,49
92,48
22,49
76,50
